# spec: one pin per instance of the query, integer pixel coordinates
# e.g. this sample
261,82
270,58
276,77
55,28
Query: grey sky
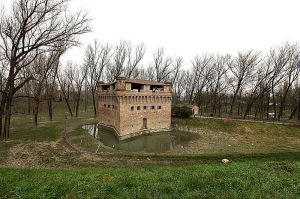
190,27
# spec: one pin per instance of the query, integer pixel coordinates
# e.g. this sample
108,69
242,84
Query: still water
155,143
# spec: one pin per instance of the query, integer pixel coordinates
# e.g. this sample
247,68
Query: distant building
195,110
132,106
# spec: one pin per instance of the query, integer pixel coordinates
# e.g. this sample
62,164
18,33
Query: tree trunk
298,111
77,103
274,102
94,104
36,111
268,105
1,118
233,100
7,117
67,102
2,106
293,112
85,97
248,108
77,107
50,107
282,103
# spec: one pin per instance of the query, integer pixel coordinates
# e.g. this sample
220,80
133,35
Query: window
132,108
105,87
159,107
108,106
136,87
152,107
104,105
138,108
156,88
145,107
113,106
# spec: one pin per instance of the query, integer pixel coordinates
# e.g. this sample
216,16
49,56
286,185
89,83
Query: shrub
182,112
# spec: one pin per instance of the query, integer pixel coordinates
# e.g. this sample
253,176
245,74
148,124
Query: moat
150,143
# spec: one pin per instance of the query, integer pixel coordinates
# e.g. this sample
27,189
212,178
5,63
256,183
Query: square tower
132,106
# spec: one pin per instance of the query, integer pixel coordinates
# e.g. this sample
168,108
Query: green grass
81,139
239,127
272,179
233,136
48,133
254,174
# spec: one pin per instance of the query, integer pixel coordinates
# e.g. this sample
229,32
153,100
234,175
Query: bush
181,112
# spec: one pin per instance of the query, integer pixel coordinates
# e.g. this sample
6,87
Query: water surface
154,143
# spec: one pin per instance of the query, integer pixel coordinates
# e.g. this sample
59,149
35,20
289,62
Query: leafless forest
34,36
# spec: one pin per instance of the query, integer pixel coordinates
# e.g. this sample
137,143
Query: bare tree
63,78
80,73
176,68
97,57
205,73
43,65
33,26
162,65
150,73
260,83
179,85
71,82
51,88
292,74
200,73
241,70
278,58
218,81
126,59
134,58
116,68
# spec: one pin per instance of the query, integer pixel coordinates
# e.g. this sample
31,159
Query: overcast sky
190,27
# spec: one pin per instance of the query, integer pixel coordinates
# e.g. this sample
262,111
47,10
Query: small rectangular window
113,106
152,107
138,108
104,105
132,108
159,107
145,107
108,106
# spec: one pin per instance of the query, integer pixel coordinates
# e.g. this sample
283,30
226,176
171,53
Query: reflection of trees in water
91,129
153,143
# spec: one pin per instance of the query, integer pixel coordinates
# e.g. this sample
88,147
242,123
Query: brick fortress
132,107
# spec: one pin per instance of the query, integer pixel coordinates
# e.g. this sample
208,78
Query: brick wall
131,111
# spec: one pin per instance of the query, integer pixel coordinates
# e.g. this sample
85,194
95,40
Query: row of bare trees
250,84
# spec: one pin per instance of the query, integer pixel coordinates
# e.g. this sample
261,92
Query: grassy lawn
245,179
231,136
239,127
81,139
44,133
38,163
